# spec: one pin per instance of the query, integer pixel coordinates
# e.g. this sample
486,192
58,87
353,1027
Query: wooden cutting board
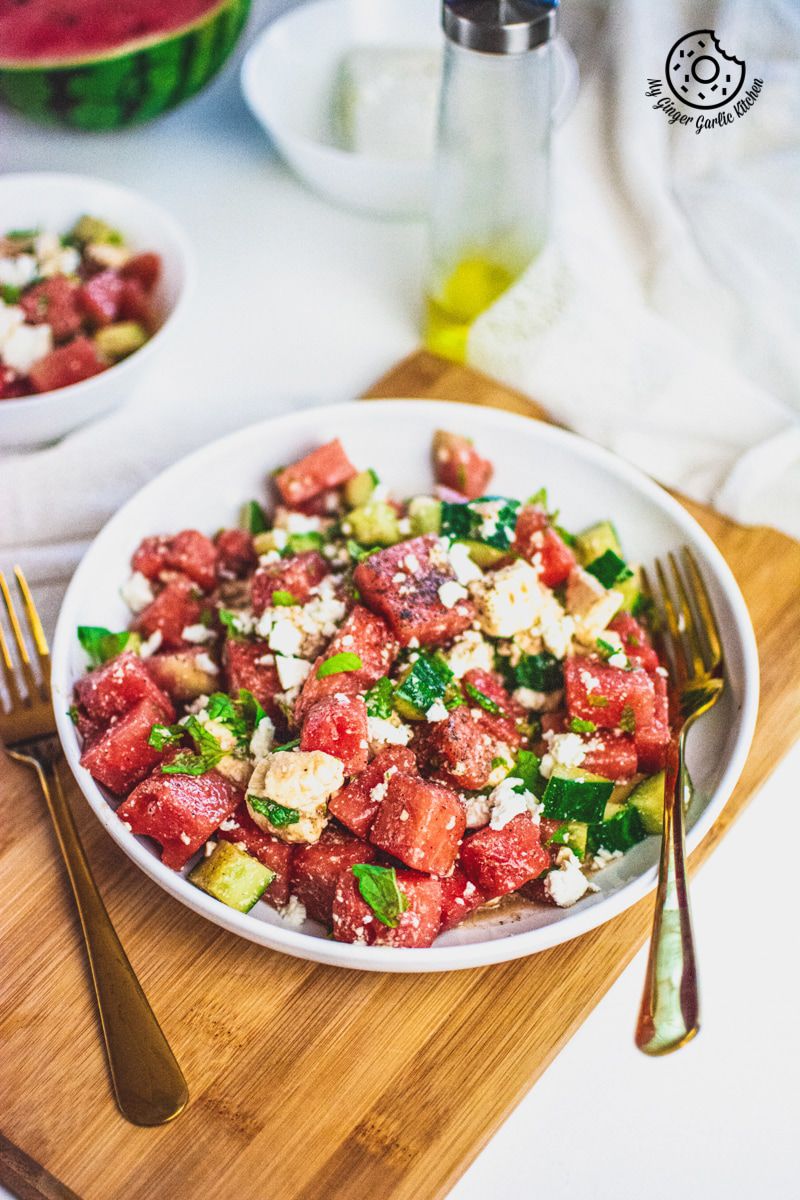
308,1083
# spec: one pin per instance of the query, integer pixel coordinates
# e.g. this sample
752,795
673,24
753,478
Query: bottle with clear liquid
490,198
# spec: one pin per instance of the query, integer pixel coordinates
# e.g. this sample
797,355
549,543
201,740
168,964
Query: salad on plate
382,714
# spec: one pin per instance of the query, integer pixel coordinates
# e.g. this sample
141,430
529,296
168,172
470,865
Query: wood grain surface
308,1083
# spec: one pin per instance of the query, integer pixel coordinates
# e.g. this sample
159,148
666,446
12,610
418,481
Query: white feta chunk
436,712
262,738
302,780
26,345
451,592
11,317
387,731
563,750
509,600
197,634
18,270
505,803
465,570
470,652
292,672
566,883
294,912
285,638
137,592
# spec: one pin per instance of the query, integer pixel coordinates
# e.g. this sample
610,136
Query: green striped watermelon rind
131,83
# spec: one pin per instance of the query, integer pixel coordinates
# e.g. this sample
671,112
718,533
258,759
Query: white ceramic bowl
206,490
288,79
56,201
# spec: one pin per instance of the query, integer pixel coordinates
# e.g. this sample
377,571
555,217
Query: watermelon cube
236,553
326,467
459,750
296,575
134,303
357,804
100,296
54,301
537,541
120,757
499,861
610,754
180,811
251,665
404,583
635,641
316,870
189,553
457,465
370,640
460,897
354,921
420,822
182,674
175,607
68,364
610,697
502,724
118,685
337,725
145,268
241,829
652,740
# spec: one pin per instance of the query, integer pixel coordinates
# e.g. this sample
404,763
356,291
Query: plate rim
295,943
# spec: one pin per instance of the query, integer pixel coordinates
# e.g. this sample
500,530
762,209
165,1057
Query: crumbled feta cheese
206,663
263,737
64,260
137,592
26,345
151,644
106,254
18,270
505,803
291,671
294,912
469,653
465,570
187,841
451,591
603,857
302,780
285,638
436,712
404,526
566,883
209,848
509,600
388,731
590,604
564,750
197,634
295,522
477,809
555,627
11,317
538,701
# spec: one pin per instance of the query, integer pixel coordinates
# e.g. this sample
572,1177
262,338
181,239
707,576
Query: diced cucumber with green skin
374,524
358,490
92,229
574,834
631,589
619,832
648,798
254,519
574,795
426,682
233,877
425,515
481,554
120,339
540,672
595,540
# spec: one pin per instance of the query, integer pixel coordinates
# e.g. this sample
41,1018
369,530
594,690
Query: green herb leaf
540,672
578,725
162,736
485,702
627,720
489,519
379,698
281,599
567,538
72,713
596,701
230,621
209,752
299,543
287,745
251,709
500,762
22,235
101,644
379,889
609,569
538,499
526,769
337,664
276,814
10,294
254,519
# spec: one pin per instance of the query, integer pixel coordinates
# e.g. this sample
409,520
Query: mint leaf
101,644
209,752
72,713
10,294
338,664
609,569
287,745
281,599
578,725
299,543
379,698
526,770
379,889
276,814
254,518
162,736
231,622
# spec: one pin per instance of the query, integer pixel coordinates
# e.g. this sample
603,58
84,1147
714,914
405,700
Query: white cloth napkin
663,321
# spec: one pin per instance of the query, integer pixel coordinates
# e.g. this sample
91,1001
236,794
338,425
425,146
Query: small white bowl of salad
92,277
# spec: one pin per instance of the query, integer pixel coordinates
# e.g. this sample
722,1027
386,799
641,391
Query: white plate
206,490
49,200
288,79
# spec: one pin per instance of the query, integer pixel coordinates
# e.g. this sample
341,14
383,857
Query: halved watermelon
98,64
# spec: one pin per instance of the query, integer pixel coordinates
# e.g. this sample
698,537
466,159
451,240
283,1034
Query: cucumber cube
648,799
230,875
577,798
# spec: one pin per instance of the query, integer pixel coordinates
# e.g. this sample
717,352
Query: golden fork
669,1015
148,1083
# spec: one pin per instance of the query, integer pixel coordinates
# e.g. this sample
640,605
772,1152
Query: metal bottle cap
499,26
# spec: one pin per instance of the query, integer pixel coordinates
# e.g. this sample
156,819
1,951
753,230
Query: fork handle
148,1083
669,1015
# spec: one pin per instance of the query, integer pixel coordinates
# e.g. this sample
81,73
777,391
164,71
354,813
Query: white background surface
300,302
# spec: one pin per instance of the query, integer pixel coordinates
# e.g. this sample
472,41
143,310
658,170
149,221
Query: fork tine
9,674
691,640
22,649
704,608
681,661
36,631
